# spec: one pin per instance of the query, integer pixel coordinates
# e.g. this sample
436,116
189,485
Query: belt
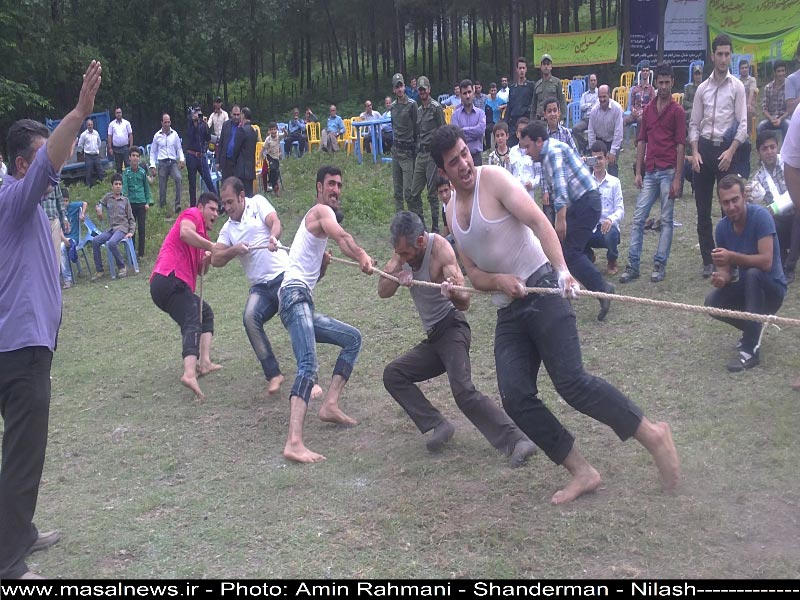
166,160
538,275
92,153
404,145
715,143
194,153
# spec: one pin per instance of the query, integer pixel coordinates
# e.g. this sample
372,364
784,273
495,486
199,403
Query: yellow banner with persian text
582,48
753,17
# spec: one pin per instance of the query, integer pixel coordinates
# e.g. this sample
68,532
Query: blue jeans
582,217
766,125
655,185
262,305
306,327
609,240
112,238
66,269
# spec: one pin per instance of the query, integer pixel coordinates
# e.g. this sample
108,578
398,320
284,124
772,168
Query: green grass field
144,482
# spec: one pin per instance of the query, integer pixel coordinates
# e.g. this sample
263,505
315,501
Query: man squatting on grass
30,314
186,252
491,214
254,222
422,256
307,263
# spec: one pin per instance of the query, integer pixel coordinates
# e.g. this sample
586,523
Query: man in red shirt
659,170
186,252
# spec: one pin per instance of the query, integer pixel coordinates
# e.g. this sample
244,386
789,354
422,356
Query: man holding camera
194,143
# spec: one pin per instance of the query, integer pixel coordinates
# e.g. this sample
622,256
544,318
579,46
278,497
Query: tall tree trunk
301,58
423,49
309,82
373,47
576,22
416,47
592,9
474,45
400,42
513,34
603,19
439,46
454,30
563,9
253,51
335,41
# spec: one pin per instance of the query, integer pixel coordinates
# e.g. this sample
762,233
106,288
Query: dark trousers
541,329
582,218
227,170
788,229
293,137
121,157
703,193
174,297
195,165
447,350
25,406
756,292
477,158
94,169
248,187
140,214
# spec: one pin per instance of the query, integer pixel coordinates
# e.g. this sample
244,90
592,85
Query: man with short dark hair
405,137
136,187
30,315
606,125
719,110
471,121
429,118
520,95
166,155
334,127
227,143
120,140
428,257
195,143
244,152
89,147
216,120
606,233
747,268
641,95
545,88
774,103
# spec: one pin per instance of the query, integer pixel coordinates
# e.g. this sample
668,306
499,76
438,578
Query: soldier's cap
546,57
397,79
423,83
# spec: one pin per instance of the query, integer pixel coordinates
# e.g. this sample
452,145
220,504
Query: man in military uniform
520,94
404,128
547,87
430,116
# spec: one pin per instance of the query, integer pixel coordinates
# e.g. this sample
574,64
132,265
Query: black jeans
703,193
293,137
447,350
121,158
788,229
541,329
94,169
174,297
756,292
582,218
140,214
25,406
195,165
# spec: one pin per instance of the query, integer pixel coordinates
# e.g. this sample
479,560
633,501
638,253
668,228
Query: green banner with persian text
750,18
573,49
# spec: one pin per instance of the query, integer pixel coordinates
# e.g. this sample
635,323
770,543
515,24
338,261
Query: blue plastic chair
295,144
573,113
112,267
576,89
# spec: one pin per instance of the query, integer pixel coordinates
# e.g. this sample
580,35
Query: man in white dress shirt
166,155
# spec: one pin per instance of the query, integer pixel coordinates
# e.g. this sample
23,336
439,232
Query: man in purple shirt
30,313
471,121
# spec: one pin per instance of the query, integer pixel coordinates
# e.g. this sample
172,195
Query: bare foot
206,368
585,481
275,384
334,414
317,392
666,457
299,453
191,383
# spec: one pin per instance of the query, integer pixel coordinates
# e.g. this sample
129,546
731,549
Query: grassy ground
143,482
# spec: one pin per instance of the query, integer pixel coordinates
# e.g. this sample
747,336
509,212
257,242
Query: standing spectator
659,174
774,103
120,140
792,93
89,145
121,226
333,129
494,107
137,189
589,99
271,153
413,92
387,135
370,115
244,153
296,133
503,92
546,88
605,125
751,91
719,109
606,233
479,98
471,121
197,137
429,118
216,120
641,94
689,92
166,154
30,298
404,128
227,142
520,96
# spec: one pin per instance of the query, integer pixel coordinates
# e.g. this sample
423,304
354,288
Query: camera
591,161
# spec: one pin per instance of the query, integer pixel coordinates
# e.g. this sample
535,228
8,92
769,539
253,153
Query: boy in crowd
501,155
272,154
136,188
121,226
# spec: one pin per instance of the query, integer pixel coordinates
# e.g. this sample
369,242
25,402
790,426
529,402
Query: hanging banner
684,31
753,18
582,48
764,50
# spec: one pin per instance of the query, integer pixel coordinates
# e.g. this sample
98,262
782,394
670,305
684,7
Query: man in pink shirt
186,252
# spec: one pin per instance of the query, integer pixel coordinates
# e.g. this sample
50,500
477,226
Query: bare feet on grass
204,369
299,453
666,457
191,383
333,414
584,481
274,384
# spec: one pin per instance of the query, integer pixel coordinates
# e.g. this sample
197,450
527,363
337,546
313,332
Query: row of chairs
88,232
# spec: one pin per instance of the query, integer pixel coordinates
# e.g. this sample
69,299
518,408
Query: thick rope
708,310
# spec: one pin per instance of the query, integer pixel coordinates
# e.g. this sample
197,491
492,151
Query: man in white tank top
422,256
254,222
307,263
494,222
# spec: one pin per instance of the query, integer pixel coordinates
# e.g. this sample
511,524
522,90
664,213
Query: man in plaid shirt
774,103
576,201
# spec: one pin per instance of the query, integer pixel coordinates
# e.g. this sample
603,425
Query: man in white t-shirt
120,140
254,222
790,153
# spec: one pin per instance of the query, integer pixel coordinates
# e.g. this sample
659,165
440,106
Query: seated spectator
310,116
769,186
747,269
454,99
552,116
334,128
606,234
270,160
296,133
605,124
588,101
121,223
75,213
641,94
372,115
387,137
774,103
501,155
